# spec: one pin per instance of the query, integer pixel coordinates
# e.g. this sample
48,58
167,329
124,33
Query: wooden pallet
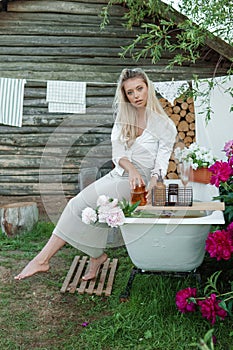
101,284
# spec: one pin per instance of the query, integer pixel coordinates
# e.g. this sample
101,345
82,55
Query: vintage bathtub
174,243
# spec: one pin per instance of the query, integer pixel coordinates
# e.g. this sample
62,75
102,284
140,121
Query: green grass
35,315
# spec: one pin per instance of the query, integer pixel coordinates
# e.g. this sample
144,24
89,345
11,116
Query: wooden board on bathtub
195,206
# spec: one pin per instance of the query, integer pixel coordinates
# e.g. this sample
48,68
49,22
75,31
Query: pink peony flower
115,218
221,171
228,148
89,215
210,308
219,244
112,216
183,302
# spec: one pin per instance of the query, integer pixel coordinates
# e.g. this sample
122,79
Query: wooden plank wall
61,40
47,153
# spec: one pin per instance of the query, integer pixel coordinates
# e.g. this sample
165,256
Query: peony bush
219,245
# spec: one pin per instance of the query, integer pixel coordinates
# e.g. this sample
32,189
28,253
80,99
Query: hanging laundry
11,101
171,89
214,133
66,96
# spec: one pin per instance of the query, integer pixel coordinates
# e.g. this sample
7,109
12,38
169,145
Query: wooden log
175,118
163,102
181,135
172,176
184,105
183,113
190,117
192,126
191,108
190,133
171,166
18,217
183,126
176,110
190,100
168,110
188,140
179,100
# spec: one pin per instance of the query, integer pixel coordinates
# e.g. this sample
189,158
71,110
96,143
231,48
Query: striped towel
66,96
11,101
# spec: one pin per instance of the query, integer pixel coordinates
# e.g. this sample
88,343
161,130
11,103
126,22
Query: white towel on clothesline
11,101
66,96
171,89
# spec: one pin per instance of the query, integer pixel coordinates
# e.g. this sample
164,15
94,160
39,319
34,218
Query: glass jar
139,194
173,191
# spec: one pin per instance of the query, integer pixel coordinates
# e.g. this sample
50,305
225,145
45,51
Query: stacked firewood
182,114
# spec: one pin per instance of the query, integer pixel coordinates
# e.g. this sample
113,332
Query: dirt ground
35,312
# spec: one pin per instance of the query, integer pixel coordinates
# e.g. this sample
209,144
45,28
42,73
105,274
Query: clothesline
64,96
87,82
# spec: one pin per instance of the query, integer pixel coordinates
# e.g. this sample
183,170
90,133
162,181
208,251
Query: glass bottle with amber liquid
139,194
159,192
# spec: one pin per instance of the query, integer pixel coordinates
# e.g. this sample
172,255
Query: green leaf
211,284
223,305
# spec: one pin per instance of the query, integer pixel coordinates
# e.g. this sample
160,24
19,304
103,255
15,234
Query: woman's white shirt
151,150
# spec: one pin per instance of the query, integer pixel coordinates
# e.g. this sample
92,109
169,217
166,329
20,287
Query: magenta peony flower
230,228
219,244
221,171
230,162
210,308
182,300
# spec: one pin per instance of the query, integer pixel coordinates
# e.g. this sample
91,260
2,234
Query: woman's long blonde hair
125,113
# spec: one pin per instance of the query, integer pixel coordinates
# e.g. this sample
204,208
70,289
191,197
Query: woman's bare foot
94,265
32,268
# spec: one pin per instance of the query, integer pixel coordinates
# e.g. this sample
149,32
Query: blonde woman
142,141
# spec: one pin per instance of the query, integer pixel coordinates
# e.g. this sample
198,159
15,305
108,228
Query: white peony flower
102,200
89,215
198,155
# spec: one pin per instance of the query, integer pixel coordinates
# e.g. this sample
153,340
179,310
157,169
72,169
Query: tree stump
18,217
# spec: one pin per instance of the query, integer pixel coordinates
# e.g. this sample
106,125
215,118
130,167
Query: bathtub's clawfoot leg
198,277
125,295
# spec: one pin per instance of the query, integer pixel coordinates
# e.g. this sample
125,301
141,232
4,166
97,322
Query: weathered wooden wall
62,40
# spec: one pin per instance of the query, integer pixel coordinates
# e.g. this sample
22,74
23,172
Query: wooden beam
62,7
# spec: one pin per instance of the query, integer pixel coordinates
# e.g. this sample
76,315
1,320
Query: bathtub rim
214,218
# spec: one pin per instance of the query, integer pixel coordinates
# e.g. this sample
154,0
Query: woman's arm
135,177
167,136
165,131
120,157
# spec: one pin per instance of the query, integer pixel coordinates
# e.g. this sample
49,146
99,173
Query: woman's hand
135,179
152,183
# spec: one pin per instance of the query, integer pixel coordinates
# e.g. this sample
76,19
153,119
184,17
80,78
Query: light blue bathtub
175,243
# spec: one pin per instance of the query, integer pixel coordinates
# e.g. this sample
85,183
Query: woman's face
136,91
